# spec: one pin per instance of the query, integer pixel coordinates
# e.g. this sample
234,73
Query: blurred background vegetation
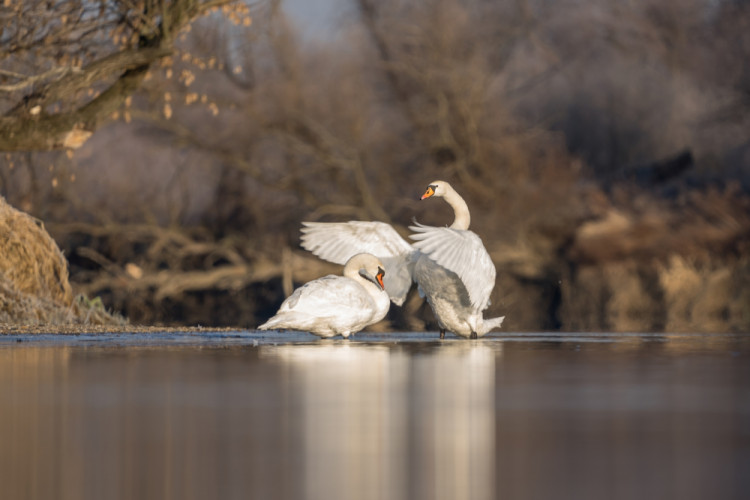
603,148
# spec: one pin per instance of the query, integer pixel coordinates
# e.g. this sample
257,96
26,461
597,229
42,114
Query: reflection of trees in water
171,423
378,422
570,417
29,430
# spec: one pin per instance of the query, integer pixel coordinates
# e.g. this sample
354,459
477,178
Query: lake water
383,416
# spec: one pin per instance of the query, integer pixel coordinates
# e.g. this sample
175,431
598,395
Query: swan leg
473,335
442,333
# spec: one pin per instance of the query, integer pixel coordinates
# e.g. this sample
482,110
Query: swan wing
337,242
462,252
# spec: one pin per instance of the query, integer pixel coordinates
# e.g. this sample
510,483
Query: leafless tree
66,66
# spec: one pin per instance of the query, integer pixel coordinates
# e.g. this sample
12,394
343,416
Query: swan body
449,300
453,269
336,305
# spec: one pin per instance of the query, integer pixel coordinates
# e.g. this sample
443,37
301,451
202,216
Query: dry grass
17,307
30,259
706,296
634,305
34,286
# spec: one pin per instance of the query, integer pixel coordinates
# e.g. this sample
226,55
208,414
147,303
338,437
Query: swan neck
351,271
366,284
460,210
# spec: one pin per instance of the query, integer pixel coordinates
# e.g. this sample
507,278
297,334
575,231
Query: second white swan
453,269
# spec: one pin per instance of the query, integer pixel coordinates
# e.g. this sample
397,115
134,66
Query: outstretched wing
337,242
462,252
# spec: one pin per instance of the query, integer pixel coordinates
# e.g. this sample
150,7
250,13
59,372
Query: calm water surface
398,416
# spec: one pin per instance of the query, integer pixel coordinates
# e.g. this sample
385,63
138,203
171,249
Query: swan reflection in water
382,422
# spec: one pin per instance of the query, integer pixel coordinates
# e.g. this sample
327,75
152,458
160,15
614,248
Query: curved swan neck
352,268
366,284
460,209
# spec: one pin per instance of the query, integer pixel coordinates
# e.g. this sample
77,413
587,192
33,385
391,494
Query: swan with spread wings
450,265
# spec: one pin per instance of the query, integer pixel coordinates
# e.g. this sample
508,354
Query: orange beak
428,193
379,277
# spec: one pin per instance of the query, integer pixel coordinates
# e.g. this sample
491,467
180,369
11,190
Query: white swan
456,303
336,305
453,269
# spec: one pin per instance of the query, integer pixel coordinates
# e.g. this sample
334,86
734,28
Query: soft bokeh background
603,148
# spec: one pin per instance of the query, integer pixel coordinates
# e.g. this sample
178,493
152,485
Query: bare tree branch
118,47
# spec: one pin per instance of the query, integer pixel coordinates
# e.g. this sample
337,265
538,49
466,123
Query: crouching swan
336,305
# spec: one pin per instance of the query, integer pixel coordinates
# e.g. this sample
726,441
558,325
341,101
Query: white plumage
453,269
461,252
450,264
336,305
337,241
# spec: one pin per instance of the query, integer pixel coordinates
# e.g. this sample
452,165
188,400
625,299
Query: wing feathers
337,242
462,252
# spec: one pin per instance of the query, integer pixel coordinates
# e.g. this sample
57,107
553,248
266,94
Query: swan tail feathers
492,323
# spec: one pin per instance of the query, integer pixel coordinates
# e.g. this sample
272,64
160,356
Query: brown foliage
148,269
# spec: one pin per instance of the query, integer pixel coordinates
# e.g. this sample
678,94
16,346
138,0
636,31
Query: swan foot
442,333
473,335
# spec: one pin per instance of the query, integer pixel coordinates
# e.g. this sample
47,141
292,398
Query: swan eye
429,192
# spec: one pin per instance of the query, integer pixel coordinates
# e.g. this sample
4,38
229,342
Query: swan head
367,266
442,189
436,188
